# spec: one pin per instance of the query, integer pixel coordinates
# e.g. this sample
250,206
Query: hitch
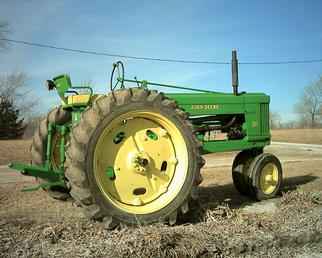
54,177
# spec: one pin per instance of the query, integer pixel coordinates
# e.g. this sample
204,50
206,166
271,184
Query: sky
196,30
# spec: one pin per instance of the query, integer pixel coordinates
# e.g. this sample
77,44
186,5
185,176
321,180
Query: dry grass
310,136
295,228
14,150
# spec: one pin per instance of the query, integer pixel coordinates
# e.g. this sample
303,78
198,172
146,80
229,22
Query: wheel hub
269,178
140,162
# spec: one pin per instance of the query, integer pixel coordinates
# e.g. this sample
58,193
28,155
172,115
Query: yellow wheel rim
140,162
269,178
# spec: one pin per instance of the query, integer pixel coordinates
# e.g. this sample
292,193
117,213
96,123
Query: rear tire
39,145
86,187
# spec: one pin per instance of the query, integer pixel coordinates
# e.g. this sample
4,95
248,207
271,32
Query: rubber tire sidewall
242,179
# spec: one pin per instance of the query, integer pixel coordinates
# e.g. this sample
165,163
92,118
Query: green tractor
134,155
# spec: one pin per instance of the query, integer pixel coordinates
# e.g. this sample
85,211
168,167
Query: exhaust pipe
234,72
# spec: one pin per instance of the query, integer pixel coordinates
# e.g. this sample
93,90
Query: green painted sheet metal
76,115
38,171
219,103
62,84
254,107
232,145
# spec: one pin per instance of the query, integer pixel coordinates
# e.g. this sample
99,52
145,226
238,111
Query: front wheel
267,176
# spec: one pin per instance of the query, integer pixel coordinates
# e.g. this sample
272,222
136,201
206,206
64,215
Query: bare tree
310,103
14,87
290,124
32,125
275,120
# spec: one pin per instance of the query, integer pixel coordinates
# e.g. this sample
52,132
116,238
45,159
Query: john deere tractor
134,155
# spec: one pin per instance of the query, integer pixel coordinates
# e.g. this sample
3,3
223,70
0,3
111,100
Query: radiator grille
264,118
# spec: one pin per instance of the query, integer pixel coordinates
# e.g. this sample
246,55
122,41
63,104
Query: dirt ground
221,224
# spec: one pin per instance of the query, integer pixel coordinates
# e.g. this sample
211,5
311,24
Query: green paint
119,137
47,171
253,106
63,130
110,173
152,135
38,171
144,84
76,115
232,145
62,84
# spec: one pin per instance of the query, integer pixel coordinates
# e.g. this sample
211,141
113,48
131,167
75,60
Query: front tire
267,176
241,173
133,158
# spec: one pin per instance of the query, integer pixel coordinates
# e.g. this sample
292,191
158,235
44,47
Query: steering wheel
118,68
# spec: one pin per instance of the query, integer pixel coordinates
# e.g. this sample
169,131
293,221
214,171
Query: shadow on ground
214,195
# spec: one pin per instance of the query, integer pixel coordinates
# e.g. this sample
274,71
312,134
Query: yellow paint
137,162
78,99
268,178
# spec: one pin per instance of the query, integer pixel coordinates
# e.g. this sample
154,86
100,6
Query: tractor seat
78,100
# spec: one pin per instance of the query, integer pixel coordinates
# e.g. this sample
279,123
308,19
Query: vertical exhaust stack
234,71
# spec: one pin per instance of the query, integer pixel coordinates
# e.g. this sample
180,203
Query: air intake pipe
234,72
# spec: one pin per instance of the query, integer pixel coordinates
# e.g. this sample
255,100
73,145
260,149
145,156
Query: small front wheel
266,175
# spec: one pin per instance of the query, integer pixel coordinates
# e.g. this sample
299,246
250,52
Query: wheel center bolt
140,162
143,162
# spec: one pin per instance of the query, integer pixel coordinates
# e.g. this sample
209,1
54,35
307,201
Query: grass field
311,136
14,150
